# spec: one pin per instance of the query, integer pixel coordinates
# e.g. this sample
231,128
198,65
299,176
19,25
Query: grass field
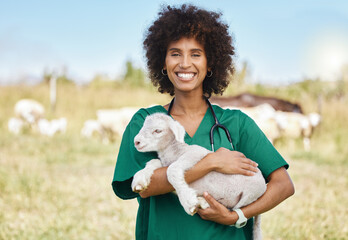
60,187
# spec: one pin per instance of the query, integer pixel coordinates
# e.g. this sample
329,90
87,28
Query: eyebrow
192,50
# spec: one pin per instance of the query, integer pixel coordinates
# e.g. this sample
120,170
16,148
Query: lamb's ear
178,130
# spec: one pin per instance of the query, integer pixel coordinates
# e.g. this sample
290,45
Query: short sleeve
129,160
255,146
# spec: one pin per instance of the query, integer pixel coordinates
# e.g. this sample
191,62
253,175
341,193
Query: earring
209,75
164,73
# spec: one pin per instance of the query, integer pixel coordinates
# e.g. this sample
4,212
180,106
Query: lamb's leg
141,179
307,144
176,176
187,196
257,234
202,203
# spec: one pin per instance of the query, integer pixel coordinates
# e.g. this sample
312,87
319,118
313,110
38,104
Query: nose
136,143
185,62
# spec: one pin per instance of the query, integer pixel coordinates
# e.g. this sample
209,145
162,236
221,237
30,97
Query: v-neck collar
187,136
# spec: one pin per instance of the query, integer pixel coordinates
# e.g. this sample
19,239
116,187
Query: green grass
60,187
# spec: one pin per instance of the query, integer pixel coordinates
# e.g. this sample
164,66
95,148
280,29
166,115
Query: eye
157,131
196,55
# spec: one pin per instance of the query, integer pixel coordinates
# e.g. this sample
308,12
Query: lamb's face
154,134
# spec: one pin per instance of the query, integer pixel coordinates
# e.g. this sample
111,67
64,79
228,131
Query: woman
189,55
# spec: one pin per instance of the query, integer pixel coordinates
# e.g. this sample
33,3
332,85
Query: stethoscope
215,126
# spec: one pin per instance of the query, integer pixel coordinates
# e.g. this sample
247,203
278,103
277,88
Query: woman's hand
233,162
217,212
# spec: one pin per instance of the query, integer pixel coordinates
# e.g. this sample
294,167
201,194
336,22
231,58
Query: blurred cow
251,100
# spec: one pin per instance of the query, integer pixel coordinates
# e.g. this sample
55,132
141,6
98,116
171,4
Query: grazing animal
278,124
29,110
114,121
251,100
30,114
15,125
264,117
50,128
91,127
296,125
163,134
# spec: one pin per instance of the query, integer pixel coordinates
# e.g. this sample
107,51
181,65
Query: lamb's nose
136,143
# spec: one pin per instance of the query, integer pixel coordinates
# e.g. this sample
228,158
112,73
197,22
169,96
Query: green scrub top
162,217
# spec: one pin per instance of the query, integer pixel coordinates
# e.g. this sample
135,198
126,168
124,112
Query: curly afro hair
191,22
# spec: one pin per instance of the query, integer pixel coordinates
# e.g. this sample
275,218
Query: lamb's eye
157,131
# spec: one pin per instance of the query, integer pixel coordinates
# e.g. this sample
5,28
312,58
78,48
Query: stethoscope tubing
215,126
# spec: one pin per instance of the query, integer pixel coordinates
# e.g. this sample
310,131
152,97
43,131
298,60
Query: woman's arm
279,188
223,160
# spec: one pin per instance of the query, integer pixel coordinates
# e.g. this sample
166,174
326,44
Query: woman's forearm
279,188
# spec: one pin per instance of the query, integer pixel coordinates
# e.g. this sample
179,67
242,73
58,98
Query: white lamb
50,128
166,136
90,128
296,125
29,110
114,121
15,125
264,117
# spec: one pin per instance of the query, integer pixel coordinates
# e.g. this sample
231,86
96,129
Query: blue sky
282,41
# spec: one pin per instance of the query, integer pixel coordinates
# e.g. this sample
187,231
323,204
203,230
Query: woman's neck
189,104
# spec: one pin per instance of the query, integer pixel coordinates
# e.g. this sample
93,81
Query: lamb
91,127
166,136
109,123
50,128
295,125
114,121
29,110
264,117
277,124
15,125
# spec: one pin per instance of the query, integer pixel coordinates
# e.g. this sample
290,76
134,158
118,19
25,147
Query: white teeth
185,75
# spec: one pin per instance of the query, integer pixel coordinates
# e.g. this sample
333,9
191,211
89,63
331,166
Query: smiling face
186,65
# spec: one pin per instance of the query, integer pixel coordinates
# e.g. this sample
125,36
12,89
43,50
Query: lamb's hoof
202,203
193,211
138,189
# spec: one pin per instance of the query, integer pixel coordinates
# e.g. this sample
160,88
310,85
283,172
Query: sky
282,41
